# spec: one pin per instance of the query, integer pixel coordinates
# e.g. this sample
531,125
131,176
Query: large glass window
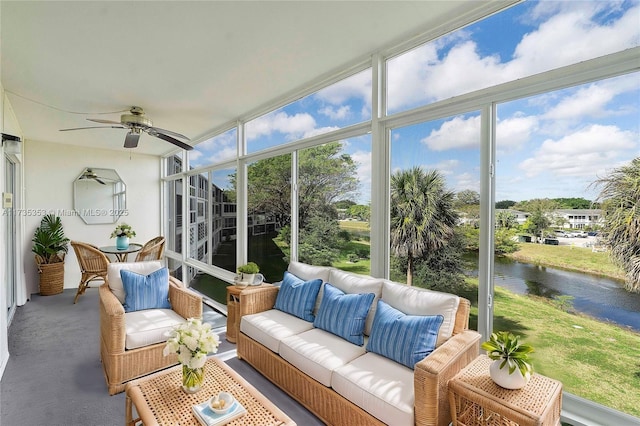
334,192
339,105
574,310
526,39
269,215
435,205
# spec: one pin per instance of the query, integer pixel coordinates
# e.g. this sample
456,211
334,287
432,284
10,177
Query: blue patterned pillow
298,297
344,314
145,291
405,339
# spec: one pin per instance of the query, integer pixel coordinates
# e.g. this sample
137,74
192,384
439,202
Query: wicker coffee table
160,400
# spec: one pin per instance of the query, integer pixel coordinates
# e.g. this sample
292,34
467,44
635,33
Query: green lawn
595,360
568,257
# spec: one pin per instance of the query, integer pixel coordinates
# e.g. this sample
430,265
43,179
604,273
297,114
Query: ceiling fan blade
169,139
97,120
158,130
99,181
94,127
131,141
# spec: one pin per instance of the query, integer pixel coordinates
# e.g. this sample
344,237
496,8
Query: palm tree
620,197
422,214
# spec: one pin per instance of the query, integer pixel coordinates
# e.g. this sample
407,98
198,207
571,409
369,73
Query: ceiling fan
137,123
90,174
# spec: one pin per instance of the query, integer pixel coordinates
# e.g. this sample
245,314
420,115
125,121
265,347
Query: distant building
578,218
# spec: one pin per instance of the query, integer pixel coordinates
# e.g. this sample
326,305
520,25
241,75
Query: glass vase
122,243
192,379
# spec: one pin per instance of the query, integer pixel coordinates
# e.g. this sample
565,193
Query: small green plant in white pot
248,273
511,368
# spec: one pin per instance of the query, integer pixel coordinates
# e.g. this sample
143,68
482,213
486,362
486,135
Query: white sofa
344,383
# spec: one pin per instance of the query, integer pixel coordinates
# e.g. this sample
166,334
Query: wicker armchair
122,365
152,250
93,265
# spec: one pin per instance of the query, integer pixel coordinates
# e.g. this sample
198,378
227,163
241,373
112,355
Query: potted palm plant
511,368
50,245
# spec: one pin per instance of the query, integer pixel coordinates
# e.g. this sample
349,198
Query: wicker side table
233,307
476,400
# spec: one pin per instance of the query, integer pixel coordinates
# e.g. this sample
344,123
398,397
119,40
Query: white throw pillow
113,274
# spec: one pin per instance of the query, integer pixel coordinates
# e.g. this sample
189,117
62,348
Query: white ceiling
192,66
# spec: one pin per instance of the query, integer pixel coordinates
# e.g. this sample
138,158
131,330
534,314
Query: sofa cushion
419,301
309,272
344,314
145,291
298,297
317,353
378,385
356,283
144,328
403,338
269,327
113,274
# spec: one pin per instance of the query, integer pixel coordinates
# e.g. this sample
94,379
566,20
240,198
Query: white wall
51,169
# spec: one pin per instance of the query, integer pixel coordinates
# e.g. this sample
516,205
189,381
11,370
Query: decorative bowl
221,403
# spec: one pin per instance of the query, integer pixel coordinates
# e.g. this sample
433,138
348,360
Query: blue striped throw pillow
405,339
145,291
298,297
344,314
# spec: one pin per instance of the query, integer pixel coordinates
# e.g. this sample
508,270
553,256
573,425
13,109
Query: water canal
599,297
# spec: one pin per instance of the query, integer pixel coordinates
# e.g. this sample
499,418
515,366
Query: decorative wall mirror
99,196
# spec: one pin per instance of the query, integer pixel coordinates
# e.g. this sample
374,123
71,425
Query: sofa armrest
260,299
432,374
184,302
112,325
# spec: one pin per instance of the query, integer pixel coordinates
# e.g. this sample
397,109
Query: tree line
427,242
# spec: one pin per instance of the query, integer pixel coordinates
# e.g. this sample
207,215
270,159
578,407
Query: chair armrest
184,302
432,374
112,325
254,300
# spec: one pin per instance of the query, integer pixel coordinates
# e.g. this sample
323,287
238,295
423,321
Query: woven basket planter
51,278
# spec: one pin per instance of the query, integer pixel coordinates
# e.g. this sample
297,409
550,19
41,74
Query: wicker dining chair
93,265
152,250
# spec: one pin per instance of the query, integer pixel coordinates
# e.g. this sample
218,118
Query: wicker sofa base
431,377
331,407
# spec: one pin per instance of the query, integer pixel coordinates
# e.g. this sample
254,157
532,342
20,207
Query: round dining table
121,254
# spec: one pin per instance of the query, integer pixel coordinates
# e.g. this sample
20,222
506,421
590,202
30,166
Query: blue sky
553,145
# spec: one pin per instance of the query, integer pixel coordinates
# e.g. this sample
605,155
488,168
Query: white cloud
569,36
516,130
363,162
466,181
337,113
581,153
294,126
356,86
459,132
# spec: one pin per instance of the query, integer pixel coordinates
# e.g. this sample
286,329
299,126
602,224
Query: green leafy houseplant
249,268
49,241
508,348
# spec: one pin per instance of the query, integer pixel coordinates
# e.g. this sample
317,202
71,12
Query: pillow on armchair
115,281
145,291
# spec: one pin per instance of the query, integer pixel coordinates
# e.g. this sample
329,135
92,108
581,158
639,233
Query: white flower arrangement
192,341
123,230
